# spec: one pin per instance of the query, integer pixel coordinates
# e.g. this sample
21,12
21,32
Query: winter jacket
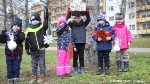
19,37
123,33
35,37
104,45
64,37
78,30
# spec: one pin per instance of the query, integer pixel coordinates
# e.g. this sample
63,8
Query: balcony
145,31
145,19
141,8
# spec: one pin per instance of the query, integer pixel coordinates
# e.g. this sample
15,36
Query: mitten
28,52
87,11
68,12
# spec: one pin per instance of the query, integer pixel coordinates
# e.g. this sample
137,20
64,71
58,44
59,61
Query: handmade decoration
102,34
48,39
70,50
78,8
11,44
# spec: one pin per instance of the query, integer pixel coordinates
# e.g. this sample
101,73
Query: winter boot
82,70
100,71
60,76
16,80
32,79
126,64
107,71
68,75
11,81
75,70
41,79
119,63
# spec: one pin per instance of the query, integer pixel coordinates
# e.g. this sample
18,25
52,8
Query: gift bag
116,46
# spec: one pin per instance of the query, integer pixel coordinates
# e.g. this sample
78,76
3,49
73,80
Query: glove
87,11
28,52
68,12
4,31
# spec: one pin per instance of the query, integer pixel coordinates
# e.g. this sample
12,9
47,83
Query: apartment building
137,15
56,8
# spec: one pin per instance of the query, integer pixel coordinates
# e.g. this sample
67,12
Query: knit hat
101,18
77,17
35,16
61,19
118,16
17,21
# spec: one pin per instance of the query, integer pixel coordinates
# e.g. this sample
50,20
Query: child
78,32
104,45
13,57
125,38
35,46
64,38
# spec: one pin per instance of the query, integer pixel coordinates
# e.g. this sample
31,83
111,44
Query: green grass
140,43
139,71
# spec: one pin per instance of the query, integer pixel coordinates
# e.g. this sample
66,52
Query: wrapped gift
78,8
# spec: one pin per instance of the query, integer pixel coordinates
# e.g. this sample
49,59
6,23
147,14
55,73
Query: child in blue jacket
104,45
14,56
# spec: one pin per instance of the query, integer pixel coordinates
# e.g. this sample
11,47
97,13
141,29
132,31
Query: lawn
139,71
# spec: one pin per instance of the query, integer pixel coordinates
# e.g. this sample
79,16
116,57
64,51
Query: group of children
34,45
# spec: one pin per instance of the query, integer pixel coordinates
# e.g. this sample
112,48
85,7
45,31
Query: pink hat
61,19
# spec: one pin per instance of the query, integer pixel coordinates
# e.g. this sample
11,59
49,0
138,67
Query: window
133,27
148,15
111,8
132,4
143,26
111,18
130,27
131,16
148,25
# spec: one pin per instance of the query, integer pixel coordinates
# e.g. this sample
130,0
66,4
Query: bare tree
91,52
5,13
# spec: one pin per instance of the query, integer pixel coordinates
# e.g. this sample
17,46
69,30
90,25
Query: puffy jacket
35,38
18,38
64,37
78,30
104,45
123,33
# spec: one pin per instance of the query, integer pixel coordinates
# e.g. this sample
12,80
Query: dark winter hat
104,13
35,16
118,16
17,21
75,17
101,18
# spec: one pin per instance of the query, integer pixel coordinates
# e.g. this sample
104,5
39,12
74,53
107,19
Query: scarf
34,25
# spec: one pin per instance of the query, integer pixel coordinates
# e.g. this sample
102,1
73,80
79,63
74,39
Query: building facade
137,15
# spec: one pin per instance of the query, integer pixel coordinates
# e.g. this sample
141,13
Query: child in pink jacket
124,37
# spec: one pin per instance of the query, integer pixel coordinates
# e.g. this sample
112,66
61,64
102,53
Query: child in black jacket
13,56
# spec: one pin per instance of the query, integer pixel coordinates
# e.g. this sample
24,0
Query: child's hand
99,39
108,38
129,43
75,49
69,20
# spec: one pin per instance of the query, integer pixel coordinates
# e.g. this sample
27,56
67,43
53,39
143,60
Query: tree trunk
123,9
90,48
26,14
5,13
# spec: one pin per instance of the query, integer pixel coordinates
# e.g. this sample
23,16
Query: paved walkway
130,50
